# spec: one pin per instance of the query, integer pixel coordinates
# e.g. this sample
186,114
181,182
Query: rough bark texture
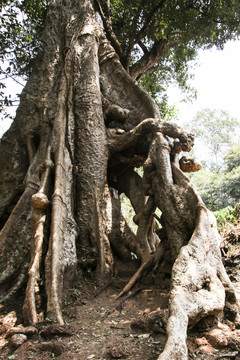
82,127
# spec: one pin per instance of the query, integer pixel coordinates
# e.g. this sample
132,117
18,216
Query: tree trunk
82,126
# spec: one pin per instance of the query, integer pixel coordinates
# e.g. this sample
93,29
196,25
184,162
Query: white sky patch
217,80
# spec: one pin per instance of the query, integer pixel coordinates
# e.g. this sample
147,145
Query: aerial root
147,265
39,202
197,289
120,304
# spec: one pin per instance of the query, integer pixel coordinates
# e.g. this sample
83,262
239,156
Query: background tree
82,126
232,158
220,189
216,129
231,179
209,185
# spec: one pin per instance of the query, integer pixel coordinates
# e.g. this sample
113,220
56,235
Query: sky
11,88
217,80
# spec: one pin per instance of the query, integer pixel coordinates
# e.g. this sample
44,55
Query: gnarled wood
84,116
39,203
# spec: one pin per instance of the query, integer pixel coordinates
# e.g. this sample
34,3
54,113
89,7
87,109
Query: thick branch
109,31
171,44
121,141
153,69
141,33
148,60
143,47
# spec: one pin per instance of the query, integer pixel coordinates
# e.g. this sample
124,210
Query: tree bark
82,126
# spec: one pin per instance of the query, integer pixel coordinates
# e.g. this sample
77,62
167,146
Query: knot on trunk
39,201
48,164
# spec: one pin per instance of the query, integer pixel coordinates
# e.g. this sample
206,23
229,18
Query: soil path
135,330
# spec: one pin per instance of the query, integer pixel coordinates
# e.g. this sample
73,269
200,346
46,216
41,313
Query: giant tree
82,126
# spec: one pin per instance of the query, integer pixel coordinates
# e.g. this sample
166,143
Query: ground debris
53,347
118,352
155,324
120,304
17,340
118,338
56,329
104,287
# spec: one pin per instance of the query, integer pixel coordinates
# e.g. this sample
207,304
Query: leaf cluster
21,24
221,189
204,23
228,215
170,31
155,36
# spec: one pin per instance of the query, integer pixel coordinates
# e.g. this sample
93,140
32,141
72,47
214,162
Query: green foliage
152,84
209,185
21,24
232,158
181,26
204,23
167,112
215,128
220,189
231,185
174,30
128,212
226,215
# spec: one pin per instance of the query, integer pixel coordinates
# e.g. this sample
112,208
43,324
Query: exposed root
149,263
53,270
144,223
118,142
119,305
13,275
196,288
39,203
105,263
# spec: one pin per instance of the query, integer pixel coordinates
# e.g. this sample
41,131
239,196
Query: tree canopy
160,36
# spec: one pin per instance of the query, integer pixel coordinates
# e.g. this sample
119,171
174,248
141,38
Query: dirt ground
98,327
